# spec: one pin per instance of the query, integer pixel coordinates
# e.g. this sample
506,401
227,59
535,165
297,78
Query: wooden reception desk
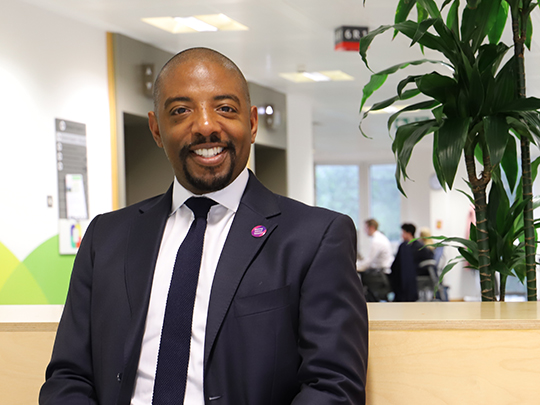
425,353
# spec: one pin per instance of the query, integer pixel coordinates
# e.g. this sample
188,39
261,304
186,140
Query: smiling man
252,300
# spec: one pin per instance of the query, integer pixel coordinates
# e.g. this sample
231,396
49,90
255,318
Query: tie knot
200,206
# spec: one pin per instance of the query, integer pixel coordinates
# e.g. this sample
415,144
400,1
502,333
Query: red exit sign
347,38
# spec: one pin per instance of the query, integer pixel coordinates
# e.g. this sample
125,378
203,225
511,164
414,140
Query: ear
254,119
154,128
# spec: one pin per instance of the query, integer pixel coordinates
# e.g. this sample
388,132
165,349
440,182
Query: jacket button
119,377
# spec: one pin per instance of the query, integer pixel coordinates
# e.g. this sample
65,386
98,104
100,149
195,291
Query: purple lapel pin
258,231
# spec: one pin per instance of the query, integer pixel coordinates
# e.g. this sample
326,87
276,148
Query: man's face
204,124
407,237
370,230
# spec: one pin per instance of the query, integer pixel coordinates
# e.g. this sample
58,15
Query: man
374,269
406,266
278,313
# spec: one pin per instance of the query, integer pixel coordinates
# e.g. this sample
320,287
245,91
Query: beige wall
129,57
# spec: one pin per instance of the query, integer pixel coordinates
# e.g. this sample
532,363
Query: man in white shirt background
374,268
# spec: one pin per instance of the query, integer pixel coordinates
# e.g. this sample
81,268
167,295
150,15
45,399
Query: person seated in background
407,265
374,268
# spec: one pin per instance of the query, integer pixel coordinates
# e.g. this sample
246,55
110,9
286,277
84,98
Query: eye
227,109
179,110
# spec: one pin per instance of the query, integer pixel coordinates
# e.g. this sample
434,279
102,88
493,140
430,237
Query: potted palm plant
478,112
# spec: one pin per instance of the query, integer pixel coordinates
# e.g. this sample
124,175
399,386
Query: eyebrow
227,97
171,100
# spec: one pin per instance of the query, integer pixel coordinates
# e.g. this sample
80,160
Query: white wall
300,169
50,67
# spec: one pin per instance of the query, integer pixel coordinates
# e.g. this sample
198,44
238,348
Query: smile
208,153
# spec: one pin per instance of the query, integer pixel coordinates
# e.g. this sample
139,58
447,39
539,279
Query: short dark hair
410,228
372,223
200,53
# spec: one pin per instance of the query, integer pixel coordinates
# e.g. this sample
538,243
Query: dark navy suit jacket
287,320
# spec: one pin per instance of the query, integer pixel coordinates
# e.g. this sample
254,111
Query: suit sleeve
69,376
333,328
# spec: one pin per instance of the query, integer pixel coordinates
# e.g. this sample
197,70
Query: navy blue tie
173,357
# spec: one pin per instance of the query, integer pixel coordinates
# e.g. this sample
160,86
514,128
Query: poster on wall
72,172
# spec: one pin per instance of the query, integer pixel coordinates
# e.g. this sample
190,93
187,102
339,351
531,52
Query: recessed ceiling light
197,23
323,76
316,76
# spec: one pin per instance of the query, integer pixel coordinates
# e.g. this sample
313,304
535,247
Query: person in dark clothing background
406,266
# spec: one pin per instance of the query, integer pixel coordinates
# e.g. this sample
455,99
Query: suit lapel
257,207
141,255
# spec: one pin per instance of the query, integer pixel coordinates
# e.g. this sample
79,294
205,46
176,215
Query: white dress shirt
380,254
220,219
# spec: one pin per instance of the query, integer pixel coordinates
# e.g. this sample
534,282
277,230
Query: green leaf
476,93
431,7
422,29
496,135
375,83
366,41
473,3
436,163
470,197
469,244
403,10
438,114
522,104
422,13
424,105
409,29
532,118
378,79
534,168
452,19
445,270
509,163
490,57
388,102
529,34
446,2
468,256
504,91
437,86
452,137
402,84
497,28
478,18
519,127
407,136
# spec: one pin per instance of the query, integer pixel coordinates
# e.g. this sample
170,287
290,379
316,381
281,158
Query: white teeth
209,152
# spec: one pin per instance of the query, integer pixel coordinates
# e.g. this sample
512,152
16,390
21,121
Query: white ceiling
283,36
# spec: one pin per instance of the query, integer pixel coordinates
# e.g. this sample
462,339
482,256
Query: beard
215,181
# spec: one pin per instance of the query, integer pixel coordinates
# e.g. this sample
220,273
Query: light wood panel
433,353
24,354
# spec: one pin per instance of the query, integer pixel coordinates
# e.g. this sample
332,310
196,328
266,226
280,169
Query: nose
205,121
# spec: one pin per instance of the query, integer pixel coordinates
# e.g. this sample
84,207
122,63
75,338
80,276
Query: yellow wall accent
112,113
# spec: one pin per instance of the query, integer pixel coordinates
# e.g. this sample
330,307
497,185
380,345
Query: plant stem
480,206
502,287
519,28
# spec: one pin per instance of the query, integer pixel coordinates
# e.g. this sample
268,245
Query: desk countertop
383,316
454,315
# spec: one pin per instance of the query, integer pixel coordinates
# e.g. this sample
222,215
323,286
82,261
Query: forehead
204,75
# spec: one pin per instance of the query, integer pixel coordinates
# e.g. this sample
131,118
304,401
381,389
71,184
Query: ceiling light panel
323,76
197,23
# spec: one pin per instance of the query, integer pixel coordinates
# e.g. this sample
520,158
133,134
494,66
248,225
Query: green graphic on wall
40,279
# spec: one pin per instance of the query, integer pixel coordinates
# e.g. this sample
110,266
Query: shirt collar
229,197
